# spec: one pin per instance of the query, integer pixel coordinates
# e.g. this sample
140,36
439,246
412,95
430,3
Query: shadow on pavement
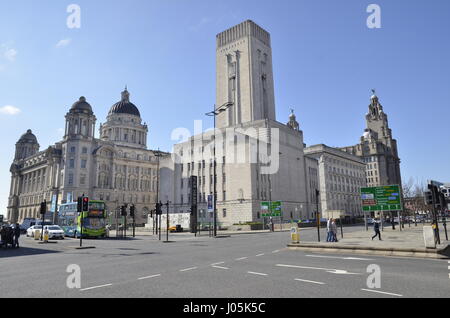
24,251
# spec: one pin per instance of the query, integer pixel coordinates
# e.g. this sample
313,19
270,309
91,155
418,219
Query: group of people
10,235
331,230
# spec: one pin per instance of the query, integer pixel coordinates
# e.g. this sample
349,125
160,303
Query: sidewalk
408,242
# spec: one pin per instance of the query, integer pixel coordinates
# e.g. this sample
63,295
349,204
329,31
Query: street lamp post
214,113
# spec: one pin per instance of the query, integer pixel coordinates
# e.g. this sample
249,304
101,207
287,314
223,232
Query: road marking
329,270
380,292
255,273
218,263
276,251
220,267
260,255
339,257
188,269
147,277
240,259
95,287
309,281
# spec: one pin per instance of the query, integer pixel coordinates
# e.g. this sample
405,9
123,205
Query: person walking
16,235
333,228
376,228
3,240
329,233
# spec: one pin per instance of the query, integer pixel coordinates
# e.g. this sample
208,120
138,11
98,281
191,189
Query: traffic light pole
134,226
167,216
318,215
43,211
435,217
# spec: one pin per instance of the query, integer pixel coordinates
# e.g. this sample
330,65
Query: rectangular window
83,164
72,149
224,213
82,179
84,150
72,163
224,195
70,179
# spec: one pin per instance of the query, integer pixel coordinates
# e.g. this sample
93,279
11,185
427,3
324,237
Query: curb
442,253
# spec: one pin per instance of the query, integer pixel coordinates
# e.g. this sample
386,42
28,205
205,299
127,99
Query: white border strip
380,292
95,287
147,277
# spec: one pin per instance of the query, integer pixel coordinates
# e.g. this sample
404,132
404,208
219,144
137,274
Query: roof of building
125,106
81,106
28,137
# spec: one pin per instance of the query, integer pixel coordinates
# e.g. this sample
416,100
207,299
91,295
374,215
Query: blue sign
210,203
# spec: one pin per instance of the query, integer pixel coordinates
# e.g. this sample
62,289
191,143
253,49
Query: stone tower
377,148
27,146
244,75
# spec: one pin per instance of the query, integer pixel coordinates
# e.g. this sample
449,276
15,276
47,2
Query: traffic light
428,197
123,210
43,207
132,210
85,204
80,205
158,208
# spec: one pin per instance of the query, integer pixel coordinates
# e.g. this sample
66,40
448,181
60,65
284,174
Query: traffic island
438,253
406,243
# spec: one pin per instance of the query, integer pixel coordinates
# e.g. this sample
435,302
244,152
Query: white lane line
188,269
147,277
220,263
220,267
95,287
338,257
276,251
262,254
255,273
309,281
380,292
329,270
240,259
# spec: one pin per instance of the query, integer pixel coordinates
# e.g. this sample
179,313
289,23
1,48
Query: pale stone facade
258,158
378,148
341,177
116,168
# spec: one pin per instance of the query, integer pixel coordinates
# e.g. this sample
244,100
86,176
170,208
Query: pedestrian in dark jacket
376,228
16,235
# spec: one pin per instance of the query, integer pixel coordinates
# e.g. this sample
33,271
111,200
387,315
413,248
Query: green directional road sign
271,208
386,198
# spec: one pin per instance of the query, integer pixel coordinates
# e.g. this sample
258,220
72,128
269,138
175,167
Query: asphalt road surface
246,265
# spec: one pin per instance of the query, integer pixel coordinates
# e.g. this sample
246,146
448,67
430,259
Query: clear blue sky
325,59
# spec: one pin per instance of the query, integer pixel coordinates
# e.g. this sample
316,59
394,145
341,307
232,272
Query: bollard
295,236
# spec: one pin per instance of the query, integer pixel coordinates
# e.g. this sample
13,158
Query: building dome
81,106
28,137
125,106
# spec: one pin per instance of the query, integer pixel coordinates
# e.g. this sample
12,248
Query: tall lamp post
214,113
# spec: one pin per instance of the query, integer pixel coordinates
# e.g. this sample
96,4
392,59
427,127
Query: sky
325,59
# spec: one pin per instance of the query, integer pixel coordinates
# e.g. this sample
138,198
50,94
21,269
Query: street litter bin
37,235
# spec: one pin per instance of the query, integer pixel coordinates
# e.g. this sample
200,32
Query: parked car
54,232
31,230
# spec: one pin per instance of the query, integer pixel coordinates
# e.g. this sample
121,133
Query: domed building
116,168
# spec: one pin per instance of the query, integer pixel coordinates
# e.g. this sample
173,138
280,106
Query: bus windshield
93,223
